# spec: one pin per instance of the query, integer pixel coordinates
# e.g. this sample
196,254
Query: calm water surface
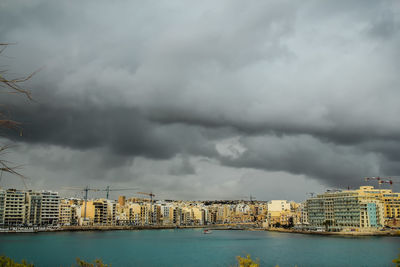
191,247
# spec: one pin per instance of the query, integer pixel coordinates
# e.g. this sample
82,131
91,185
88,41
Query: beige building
278,205
99,212
347,210
282,213
13,207
33,208
390,200
49,208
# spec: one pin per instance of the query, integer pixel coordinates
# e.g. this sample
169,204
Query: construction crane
372,178
388,181
312,194
151,195
108,190
382,180
85,189
333,190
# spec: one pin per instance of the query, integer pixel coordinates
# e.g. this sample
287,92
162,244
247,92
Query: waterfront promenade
243,227
389,232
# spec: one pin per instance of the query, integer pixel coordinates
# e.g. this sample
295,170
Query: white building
278,205
50,208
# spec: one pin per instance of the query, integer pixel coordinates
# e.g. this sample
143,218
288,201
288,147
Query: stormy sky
204,99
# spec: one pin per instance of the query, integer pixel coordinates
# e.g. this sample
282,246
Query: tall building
2,200
68,212
33,208
100,212
121,200
282,212
14,208
390,200
345,210
49,208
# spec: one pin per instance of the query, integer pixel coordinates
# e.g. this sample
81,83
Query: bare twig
13,87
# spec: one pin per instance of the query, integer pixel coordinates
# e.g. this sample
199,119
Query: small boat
207,231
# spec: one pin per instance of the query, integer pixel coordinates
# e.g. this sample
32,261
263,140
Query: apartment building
14,208
99,212
67,213
278,205
2,200
345,210
33,208
49,208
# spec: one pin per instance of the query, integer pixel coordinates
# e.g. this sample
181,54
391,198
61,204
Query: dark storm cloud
125,131
303,154
184,167
309,88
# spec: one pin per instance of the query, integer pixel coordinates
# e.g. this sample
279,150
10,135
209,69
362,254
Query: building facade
345,210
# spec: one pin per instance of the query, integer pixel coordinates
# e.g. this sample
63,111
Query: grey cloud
335,165
184,167
123,131
386,25
310,88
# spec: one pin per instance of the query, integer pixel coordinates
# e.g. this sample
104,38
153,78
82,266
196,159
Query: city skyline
204,100
366,209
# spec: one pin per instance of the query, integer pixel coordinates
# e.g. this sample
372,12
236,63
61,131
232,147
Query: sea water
190,247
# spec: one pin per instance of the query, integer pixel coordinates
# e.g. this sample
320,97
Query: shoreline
340,234
393,233
101,228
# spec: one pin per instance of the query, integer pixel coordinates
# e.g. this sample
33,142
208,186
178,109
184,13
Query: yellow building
121,200
99,212
198,215
391,202
65,212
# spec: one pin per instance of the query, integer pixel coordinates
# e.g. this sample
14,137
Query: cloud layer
307,89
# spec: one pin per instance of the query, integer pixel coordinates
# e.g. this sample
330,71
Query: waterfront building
145,213
2,200
390,200
49,213
134,213
186,216
282,213
65,212
166,214
28,208
212,216
155,214
392,209
69,212
121,200
177,216
129,214
345,210
111,212
278,205
14,208
303,214
33,208
100,212
198,215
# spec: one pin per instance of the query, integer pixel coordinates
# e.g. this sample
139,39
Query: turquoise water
190,247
